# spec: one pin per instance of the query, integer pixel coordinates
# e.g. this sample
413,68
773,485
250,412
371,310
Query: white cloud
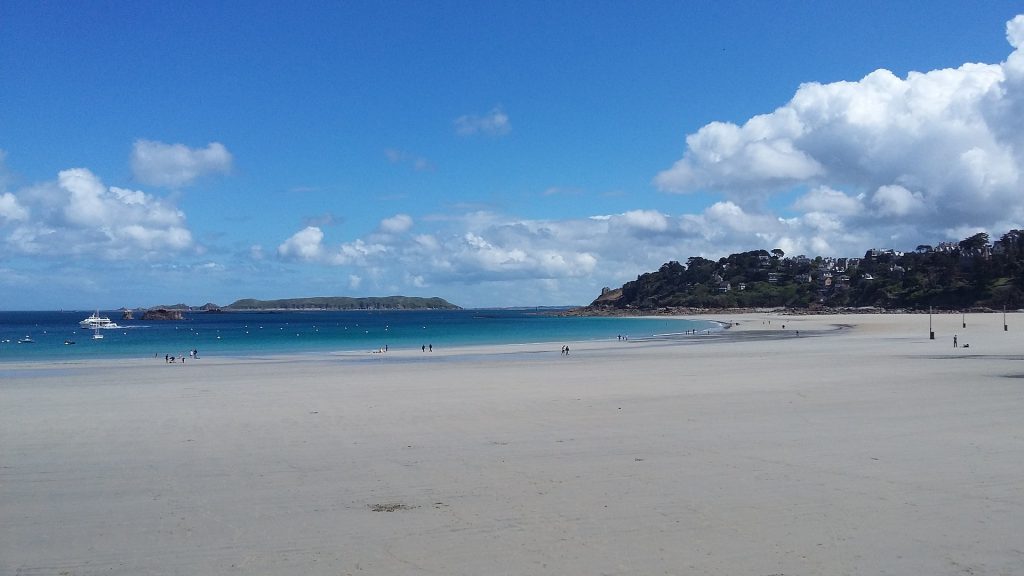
10,209
77,214
358,252
175,165
760,154
306,244
494,123
397,224
1015,31
647,220
825,199
928,151
897,201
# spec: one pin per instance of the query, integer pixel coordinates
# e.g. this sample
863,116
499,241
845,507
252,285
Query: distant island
162,314
315,303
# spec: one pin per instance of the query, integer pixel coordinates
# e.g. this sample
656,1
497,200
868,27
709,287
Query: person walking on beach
954,341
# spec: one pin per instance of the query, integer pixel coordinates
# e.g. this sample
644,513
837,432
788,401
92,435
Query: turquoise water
263,333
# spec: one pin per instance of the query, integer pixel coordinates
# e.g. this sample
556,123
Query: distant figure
566,350
423,348
430,347
167,358
954,341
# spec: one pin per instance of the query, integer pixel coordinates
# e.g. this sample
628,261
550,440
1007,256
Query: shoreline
722,333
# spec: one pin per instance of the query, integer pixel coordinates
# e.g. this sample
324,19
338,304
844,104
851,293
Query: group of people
172,359
427,347
565,350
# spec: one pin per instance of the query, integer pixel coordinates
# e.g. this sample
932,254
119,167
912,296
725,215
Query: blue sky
510,154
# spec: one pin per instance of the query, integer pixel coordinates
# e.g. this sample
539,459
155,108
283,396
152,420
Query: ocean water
247,334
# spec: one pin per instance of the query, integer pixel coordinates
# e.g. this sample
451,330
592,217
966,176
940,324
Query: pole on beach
931,333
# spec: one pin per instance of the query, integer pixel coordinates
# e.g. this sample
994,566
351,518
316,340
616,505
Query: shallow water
256,333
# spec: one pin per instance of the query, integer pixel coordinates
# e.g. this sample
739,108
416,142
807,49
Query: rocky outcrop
162,314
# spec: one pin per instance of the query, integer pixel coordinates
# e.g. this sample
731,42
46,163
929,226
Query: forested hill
968,274
344,303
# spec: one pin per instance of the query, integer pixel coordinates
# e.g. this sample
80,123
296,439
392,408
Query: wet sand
860,446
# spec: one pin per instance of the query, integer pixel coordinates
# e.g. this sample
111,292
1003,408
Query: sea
56,335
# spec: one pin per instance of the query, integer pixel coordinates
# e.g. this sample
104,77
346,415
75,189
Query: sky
492,154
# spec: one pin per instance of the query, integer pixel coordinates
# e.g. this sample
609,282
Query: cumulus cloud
648,220
10,209
897,201
78,214
494,123
825,199
931,150
306,244
176,165
397,224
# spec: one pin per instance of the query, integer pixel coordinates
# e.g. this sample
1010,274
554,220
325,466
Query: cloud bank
934,153
176,165
77,214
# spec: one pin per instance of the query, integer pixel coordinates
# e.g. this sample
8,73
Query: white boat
96,334
97,321
26,340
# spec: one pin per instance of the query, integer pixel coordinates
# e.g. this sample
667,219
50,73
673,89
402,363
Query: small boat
96,333
68,342
26,340
97,321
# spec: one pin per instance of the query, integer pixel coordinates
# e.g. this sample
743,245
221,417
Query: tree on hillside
974,243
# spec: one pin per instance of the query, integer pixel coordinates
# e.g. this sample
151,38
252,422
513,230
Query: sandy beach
860,446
